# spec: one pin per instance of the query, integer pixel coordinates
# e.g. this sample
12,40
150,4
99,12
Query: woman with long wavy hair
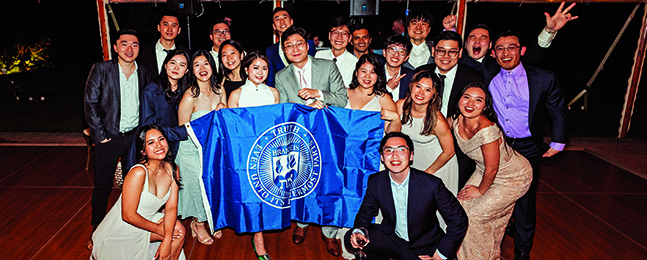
425,124
204,96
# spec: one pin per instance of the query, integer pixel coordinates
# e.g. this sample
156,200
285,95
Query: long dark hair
173,97
224,71
488,110
432,108
214,74
380,85
140,142
249,59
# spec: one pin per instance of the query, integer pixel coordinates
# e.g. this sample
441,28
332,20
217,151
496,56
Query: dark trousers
106,156
385,246
466,166
525,210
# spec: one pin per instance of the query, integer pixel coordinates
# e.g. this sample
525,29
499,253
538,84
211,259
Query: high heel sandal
266,256
194,226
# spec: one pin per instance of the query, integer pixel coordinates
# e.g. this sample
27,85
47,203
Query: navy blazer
276,64
427,193
153,109
464,76
102,98
546,95
404,81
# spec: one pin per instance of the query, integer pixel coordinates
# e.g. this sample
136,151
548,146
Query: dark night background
73,31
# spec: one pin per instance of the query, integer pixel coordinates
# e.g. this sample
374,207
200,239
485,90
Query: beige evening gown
489,214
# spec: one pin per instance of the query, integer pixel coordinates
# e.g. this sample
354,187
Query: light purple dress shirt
511,98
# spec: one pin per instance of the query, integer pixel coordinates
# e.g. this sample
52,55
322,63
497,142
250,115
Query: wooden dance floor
587,209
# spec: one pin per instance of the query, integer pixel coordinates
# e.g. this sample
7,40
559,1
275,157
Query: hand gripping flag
265,166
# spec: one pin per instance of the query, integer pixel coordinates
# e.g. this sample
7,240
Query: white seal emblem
284,164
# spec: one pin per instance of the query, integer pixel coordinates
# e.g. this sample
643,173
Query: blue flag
265,166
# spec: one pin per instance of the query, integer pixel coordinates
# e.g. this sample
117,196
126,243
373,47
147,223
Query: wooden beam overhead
480,1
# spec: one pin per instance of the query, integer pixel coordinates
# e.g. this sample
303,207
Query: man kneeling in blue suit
408,199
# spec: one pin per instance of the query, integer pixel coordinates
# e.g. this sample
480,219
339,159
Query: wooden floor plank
63,166
582,172
32,216
70,242
17,157
587,209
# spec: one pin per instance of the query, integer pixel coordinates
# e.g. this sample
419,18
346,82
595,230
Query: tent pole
634,80
604,60
461,17
104,29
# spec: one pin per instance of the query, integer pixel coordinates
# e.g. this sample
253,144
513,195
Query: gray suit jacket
325,77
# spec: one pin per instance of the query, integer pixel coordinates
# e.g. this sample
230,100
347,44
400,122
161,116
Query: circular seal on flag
284,164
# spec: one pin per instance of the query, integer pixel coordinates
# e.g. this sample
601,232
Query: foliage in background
25,57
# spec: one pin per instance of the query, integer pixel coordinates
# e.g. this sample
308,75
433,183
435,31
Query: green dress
190,202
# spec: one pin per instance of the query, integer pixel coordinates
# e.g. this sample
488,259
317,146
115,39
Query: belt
512,140
129,132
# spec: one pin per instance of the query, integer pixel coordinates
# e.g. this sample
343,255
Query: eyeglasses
442,52
399,150
289,46
511,48
339,33
221,32
397,51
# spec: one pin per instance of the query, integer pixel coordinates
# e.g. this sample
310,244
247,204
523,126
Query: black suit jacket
102,98
404,81
427,193
490,67
464,76
546,96
148,59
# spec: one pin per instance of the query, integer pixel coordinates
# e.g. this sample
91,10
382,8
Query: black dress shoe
521,256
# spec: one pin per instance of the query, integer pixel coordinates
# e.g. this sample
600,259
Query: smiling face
418,31
339,37
281,21
423,91
230,57
395,55
177,67
127,47
446,55
202,69
478,43
156,146
508,52
219,33
366,75
472,102
169,28
396,155
361,40
257,71
295,48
